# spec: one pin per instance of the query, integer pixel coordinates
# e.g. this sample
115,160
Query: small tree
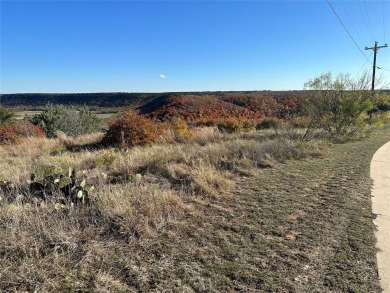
340,105
89,122
49,119
132,129
71,121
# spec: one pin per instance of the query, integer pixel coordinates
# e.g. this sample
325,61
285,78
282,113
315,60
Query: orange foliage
211,109
230,111
132,129
201,109
15,133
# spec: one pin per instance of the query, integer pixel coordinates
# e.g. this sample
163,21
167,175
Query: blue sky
158,46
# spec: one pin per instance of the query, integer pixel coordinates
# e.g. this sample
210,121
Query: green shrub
268,124
339,106
68,120
6,117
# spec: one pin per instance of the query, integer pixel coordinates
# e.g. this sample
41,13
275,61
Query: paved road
380,173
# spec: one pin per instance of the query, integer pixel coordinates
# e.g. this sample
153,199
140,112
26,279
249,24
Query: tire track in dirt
314,218
302,226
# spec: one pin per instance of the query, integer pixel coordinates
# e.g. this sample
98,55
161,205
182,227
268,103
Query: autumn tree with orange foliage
132,129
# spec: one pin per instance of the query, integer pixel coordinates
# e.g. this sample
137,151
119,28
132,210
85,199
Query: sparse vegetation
186,208
178,215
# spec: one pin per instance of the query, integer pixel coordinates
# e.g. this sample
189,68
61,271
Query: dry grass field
251,212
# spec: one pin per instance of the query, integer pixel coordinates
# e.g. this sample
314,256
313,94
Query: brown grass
163,217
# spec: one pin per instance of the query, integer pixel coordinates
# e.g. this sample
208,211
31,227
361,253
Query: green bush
6,117
339,106
71,121
270,123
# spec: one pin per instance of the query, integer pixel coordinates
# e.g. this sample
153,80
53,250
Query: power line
364,18
334,11
383,21
353,26
381,68
364,65
368,18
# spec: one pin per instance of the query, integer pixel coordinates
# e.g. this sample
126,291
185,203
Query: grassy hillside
220,212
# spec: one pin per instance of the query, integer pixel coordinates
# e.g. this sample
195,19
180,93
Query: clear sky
159,46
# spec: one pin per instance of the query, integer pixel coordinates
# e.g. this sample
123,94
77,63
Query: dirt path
380,173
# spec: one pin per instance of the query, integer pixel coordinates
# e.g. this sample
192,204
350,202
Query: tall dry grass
139,193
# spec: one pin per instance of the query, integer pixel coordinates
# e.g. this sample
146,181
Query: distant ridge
191,106
146,101
108,100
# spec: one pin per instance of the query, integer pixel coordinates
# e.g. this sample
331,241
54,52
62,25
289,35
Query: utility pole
375,48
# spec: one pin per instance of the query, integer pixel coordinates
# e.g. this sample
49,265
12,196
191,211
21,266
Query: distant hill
190,106
104,100
215,106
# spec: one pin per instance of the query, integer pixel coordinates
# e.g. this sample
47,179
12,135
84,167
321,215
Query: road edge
380,192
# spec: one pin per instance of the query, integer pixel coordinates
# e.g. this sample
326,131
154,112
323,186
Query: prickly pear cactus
47,186
7,191
37,189
6,186
63,187
48,170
